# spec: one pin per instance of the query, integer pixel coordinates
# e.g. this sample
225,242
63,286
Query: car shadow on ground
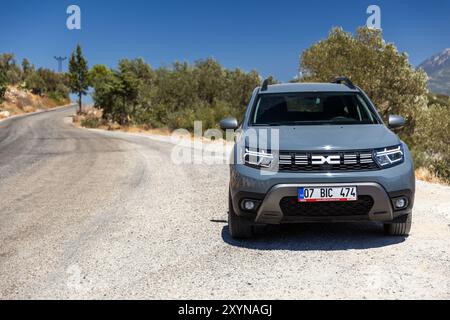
314,237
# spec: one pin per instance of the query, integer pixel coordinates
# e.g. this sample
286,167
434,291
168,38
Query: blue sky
264,35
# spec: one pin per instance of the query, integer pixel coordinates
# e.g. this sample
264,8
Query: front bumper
382,186
382,210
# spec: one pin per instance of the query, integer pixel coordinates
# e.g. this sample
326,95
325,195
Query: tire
399,227
238,227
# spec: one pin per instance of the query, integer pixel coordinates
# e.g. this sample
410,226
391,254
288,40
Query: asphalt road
89,214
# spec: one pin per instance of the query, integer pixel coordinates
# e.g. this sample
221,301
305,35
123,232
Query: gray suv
318,152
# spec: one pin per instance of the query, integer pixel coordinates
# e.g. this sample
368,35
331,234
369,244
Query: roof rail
344,80
264,85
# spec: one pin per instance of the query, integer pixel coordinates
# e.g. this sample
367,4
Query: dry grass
90,113
143,129
426,175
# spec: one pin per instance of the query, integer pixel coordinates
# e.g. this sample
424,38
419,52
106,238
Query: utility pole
60,61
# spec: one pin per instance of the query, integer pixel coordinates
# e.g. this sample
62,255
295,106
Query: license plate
327,194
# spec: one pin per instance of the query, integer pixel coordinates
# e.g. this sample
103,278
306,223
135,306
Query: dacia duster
318,152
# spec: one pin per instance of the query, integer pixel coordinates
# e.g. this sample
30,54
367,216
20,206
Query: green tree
128,91
139,68
78,75
102,80
172,96
116,91
35,84
50,78
210,76
11,71
374,65
239,87
27,68
98,74
45,81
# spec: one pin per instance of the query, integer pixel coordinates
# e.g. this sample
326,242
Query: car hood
327,137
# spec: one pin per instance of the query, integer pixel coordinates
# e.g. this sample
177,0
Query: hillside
20,101
438,70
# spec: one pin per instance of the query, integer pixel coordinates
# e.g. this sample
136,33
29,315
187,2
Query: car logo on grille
320,160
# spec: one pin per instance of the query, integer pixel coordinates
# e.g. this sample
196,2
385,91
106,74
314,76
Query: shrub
431,149
90,122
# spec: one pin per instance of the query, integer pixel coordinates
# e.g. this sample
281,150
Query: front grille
292,208
327,161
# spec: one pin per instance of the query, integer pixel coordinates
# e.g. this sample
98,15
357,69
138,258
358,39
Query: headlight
258,159
389,157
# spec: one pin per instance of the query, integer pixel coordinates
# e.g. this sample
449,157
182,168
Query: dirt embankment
19,101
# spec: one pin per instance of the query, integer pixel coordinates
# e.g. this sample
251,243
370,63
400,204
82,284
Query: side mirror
396,122
229,124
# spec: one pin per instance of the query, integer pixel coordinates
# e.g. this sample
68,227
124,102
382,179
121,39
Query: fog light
249,205
400,203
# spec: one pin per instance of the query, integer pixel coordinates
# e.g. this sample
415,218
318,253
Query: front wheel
238,227
399,227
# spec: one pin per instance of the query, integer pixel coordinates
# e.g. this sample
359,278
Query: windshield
312,108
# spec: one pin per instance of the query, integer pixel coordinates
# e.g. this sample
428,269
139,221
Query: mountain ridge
437,68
